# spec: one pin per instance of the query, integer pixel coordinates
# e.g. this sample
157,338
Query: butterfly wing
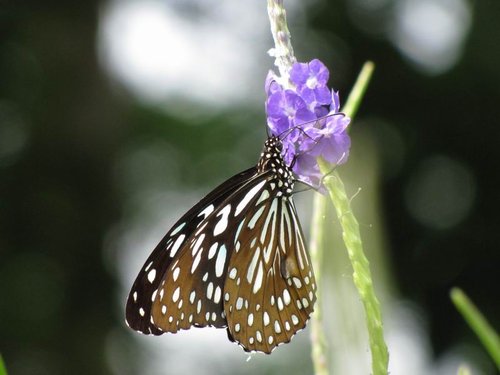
145,288
237,259
192,287
269,291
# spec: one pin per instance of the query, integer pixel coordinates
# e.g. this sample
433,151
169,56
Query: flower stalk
283,50
319,346
352,238
300,97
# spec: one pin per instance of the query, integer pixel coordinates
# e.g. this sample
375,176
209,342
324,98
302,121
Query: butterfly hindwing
270,289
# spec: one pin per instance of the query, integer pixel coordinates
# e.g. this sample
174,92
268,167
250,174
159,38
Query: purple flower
311,79
333,142
285,109
271,86
306,167
308,120
313,74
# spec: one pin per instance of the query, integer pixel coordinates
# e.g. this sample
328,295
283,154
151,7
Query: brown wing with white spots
236,259
178,240
270,289
191,290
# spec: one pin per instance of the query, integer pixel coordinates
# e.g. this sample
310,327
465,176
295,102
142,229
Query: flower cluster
306,117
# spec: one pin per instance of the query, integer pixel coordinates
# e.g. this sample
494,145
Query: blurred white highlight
431,33
211,53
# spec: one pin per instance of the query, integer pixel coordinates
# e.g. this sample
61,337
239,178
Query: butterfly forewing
145,287
191,292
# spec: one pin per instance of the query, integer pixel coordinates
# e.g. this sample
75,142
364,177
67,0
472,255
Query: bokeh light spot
441,192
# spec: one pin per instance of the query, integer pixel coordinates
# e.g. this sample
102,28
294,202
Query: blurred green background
116,116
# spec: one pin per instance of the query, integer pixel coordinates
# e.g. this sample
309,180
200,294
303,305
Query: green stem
478,323
352,239
283,53
318,340
361,269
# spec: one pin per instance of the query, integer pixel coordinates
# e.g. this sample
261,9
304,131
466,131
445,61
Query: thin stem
352,239
318,340
283,53
478,323
361,269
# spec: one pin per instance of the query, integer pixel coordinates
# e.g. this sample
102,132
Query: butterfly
236,260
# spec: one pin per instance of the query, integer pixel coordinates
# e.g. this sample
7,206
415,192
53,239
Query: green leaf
477,323
3,370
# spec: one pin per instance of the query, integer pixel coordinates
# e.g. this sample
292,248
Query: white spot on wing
266,318
197,244
152,275
196,262
238,231
212,250
297,282
220,261
177,244
233,273
192,296
286,297
177,229
280,304
222,224
258,279
258,335
263,197
256,216
253,265
250,319
277,327
207,211
239,303
210,290
175,295
217,294
176,272
248,197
